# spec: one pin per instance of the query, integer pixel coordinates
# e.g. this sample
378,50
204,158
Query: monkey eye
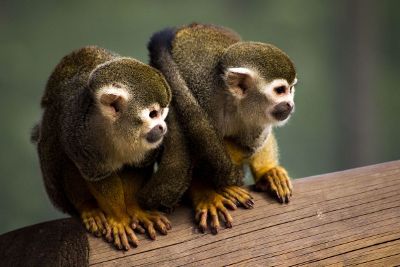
280,90
153,114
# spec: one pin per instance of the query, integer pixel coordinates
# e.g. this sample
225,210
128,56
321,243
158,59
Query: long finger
238,193
100,226
227,216
124,238
244,191
229,204
166,222
203,221
150,228
214,220
117,241
161,227
132,237
139,229
93,227
231,198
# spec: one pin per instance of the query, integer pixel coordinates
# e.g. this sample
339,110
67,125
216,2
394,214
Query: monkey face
281,96
131,101
264,102
261,77
154,127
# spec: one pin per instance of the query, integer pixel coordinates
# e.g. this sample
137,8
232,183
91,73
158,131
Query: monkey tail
205,141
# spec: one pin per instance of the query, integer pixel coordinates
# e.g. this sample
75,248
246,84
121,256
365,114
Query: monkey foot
148,221
94,221
277,182
208,204
121,233
238,195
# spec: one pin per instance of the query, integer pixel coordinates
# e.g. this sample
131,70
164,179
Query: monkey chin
152,145
279,123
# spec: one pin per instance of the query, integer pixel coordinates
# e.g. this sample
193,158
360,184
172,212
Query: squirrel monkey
228,95
102,126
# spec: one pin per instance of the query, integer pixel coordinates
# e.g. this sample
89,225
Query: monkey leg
209,204
268,174
78,193
141,220
109,194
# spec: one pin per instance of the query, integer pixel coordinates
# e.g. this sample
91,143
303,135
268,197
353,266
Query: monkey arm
268,174
167,185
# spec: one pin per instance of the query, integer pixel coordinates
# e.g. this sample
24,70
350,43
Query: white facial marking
151,121
241,70
112,90
273,96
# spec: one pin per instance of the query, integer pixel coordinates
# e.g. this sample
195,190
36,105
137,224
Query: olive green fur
70,141
204,143
194,59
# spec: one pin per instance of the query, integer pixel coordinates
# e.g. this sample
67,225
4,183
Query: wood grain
339,219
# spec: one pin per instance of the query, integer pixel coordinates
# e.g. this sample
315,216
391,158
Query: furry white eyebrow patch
241,70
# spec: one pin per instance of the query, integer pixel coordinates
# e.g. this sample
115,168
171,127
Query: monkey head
131,103
261,78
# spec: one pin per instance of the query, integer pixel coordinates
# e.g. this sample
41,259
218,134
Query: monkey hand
121,233
238,195
147,221
208,202
94,220
277,182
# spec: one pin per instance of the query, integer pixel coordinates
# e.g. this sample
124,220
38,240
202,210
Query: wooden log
339,219
342,218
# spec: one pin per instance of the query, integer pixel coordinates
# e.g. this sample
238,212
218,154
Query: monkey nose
282,111
156,133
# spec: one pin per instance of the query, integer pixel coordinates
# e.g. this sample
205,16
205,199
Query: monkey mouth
152,139
281,116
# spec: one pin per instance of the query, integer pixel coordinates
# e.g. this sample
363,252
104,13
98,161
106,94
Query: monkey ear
113,101
239,80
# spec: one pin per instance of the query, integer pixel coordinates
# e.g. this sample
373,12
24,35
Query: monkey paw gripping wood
277,182
121,232
149,221
95,221
238,195
209,203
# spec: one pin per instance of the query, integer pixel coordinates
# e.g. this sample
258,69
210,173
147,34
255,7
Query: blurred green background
347,54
